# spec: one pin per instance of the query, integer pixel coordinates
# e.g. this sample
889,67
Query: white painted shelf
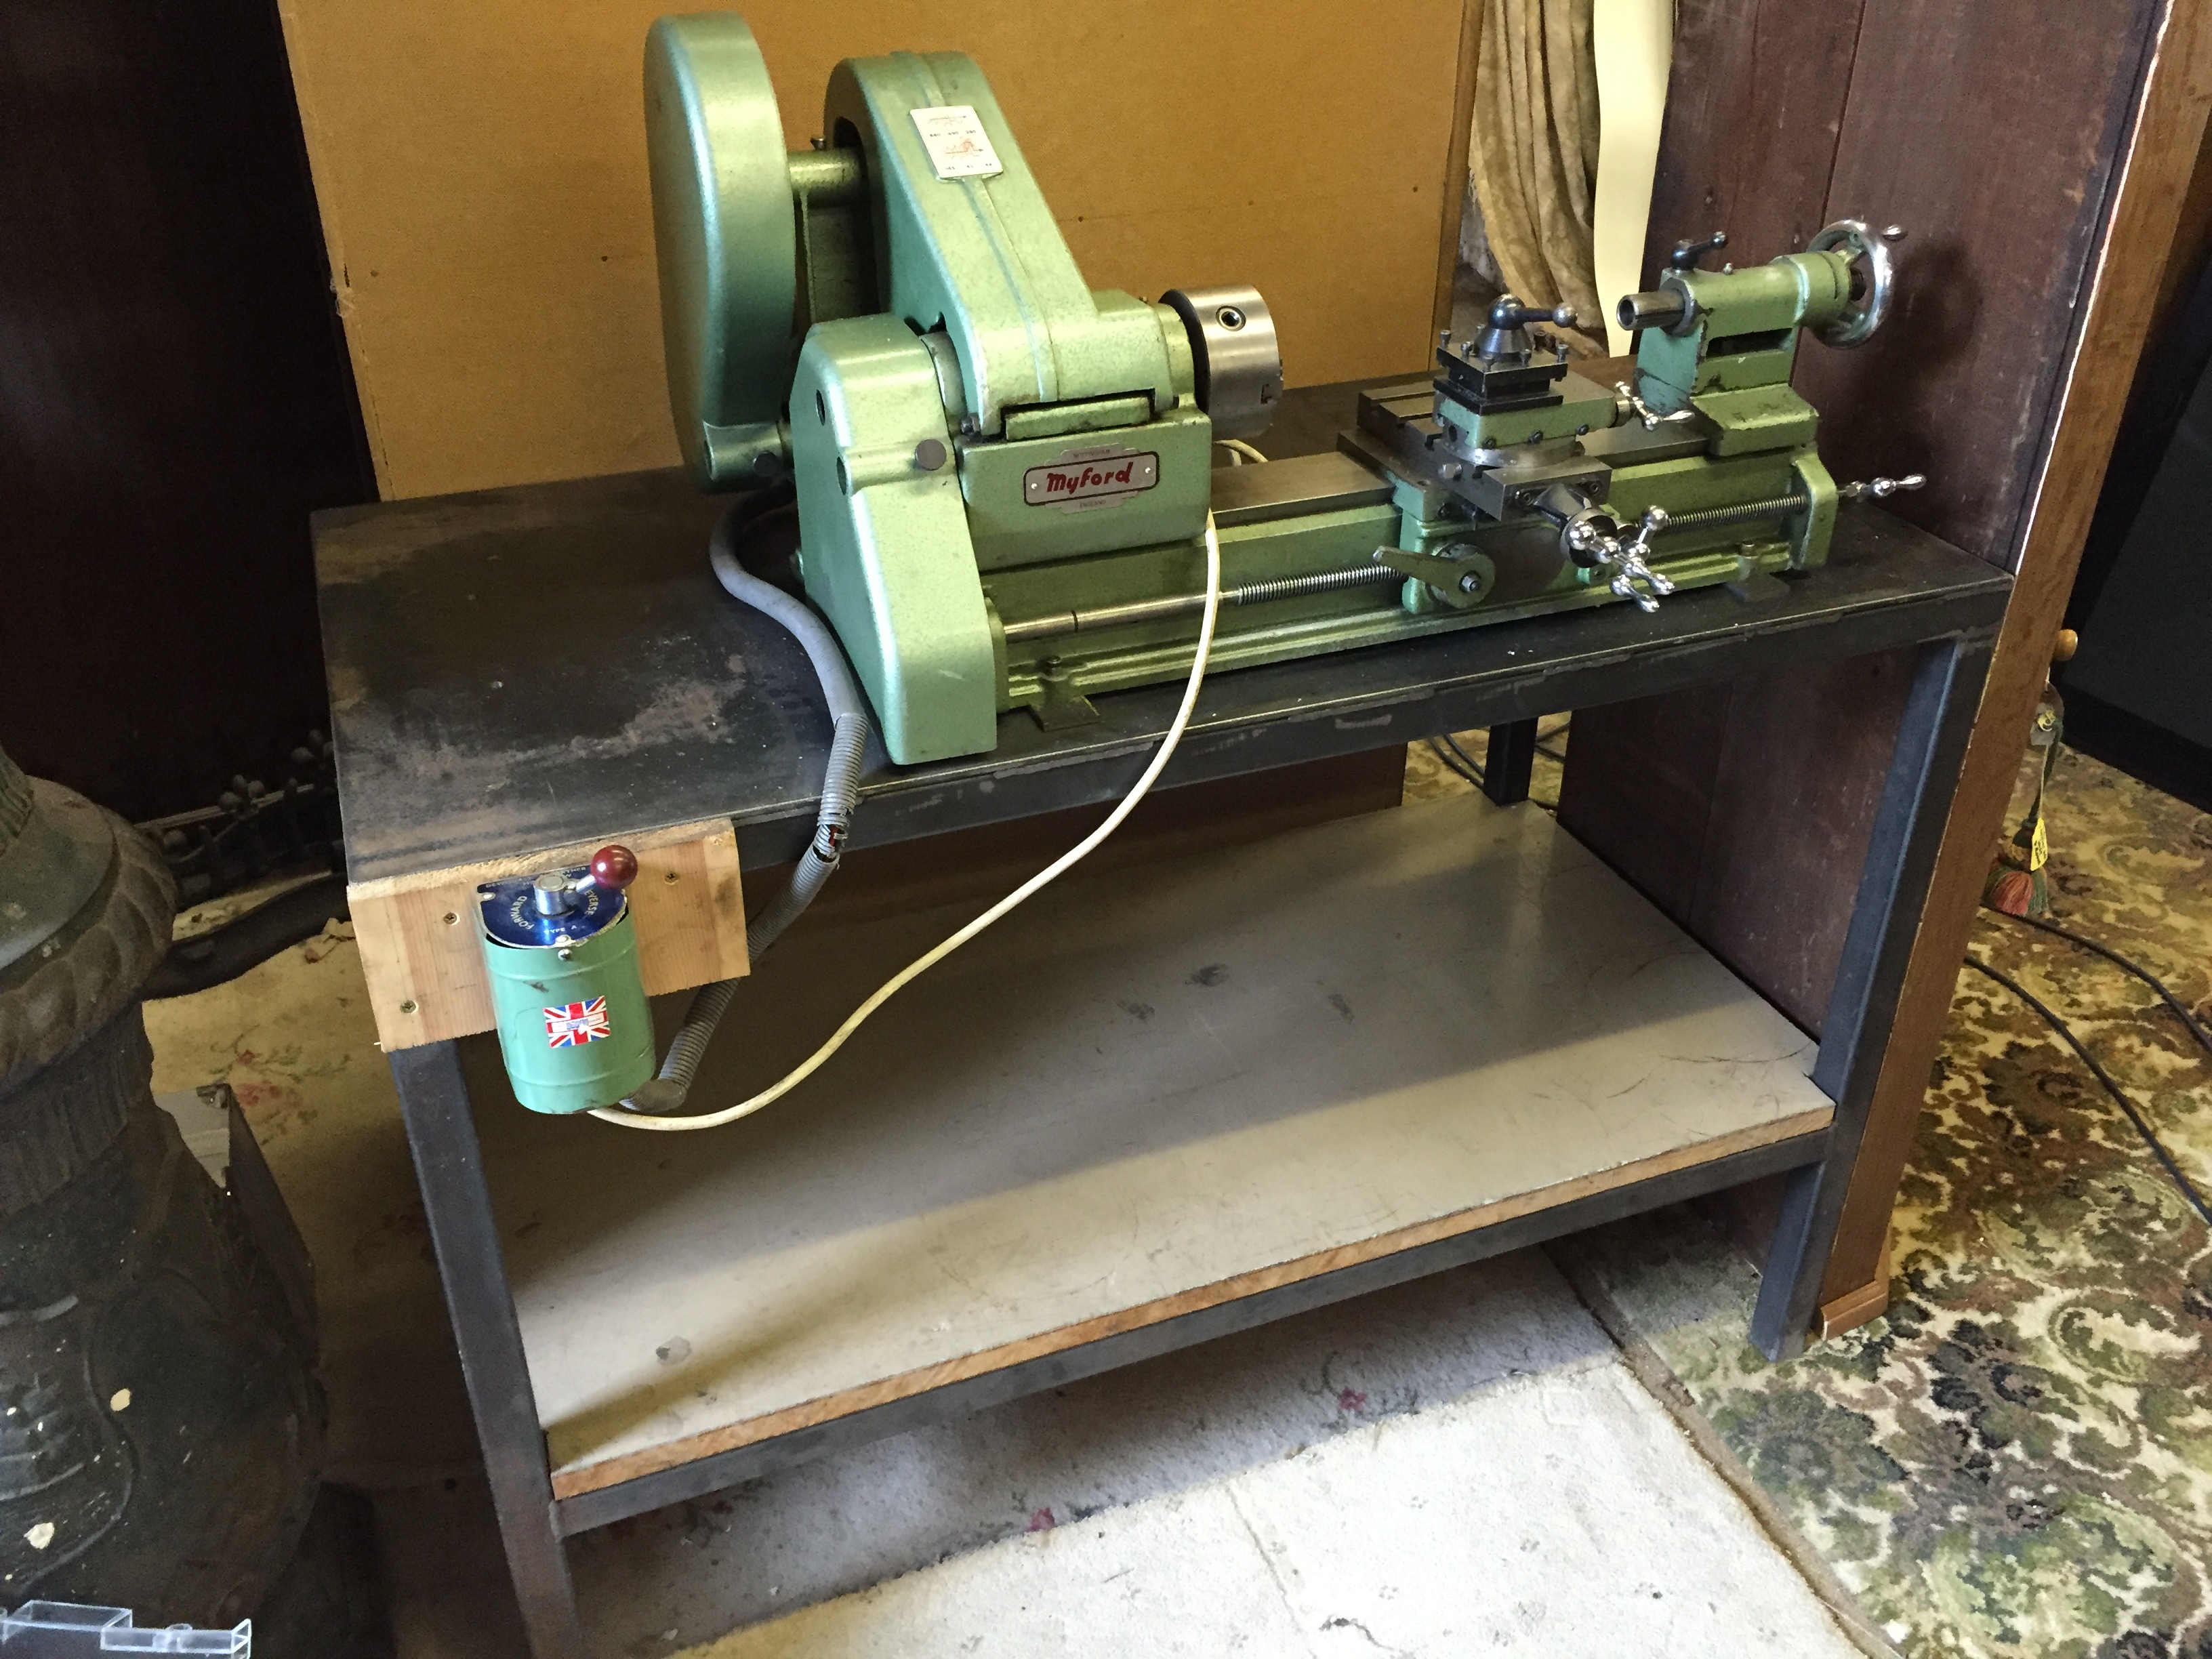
1146,1092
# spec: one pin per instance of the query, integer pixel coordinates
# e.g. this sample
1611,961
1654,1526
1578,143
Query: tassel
2017,884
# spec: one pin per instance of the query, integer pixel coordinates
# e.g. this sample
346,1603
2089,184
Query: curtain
1533,152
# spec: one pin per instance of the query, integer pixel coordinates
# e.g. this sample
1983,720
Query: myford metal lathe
1006,495
1003,476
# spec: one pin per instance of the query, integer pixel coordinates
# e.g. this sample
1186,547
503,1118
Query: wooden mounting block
425,969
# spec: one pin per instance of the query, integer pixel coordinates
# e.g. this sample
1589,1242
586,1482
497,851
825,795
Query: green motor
561,956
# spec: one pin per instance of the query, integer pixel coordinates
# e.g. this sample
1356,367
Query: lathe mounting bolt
614,867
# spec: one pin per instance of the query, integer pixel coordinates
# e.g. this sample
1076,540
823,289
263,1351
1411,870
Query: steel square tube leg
1893,881
434,1100
1508,762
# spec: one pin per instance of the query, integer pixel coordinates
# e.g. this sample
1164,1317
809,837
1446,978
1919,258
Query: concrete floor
1463,1463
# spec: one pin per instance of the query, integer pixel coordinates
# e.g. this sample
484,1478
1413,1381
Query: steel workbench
531,667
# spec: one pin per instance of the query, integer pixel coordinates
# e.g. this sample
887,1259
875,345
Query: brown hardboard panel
2003,216
1754,103
1155,1092
1801,765
1995,146
1638,788
481,172
1456,182
586,1475
1743,811
2143,206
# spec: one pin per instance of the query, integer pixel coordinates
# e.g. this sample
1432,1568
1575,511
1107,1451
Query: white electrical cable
1059,867
1239,451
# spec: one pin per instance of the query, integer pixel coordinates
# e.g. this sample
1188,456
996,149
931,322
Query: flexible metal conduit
841,795
1051,873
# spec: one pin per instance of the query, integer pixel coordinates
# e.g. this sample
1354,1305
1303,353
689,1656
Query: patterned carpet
2018,1460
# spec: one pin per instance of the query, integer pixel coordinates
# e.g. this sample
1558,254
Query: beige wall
480,166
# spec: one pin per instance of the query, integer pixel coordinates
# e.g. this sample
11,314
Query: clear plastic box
62,1630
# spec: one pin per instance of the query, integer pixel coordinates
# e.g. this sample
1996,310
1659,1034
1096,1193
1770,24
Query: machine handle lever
1633,579
1629,576
1687,254
613,867
1509,312
1461,577
1876,489
1656,519
1651,418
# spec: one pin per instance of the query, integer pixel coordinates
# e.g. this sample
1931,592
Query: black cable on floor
2189,1190
222,953
2196,1027
1453,766
1473,766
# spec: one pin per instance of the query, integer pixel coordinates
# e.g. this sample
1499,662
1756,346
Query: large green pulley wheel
724,226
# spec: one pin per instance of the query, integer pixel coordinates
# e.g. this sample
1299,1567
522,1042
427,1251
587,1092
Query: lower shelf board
1147,1092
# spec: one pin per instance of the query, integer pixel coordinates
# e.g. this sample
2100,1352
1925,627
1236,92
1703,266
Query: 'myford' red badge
1090,479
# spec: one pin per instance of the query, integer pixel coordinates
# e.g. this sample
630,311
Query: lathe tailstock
1002,476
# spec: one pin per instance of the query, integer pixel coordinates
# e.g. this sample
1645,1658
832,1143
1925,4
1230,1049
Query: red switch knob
614,867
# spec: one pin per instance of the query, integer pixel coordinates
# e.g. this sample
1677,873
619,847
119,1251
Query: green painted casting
525,982
724,233
887,556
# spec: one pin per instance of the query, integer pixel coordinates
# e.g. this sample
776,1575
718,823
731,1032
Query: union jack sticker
574,1024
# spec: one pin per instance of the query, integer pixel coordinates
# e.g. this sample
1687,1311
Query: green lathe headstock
892,319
